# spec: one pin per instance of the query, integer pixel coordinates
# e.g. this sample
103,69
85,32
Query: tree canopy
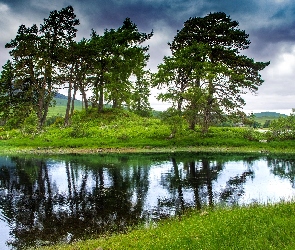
206,74
204,78
46,59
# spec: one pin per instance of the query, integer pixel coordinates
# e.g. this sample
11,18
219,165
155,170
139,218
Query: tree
38,56
59,31
9,105
117,55
26,71
139,102
206,74
78,63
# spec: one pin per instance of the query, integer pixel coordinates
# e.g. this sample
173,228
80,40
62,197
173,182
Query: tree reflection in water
104,194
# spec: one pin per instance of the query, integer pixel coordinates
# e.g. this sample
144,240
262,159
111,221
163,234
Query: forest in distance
204,79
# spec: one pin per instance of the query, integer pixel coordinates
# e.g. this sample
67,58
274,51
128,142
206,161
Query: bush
173,119
252,135
283,128
30,125
57,121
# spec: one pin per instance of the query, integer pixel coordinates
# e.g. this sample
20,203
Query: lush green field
59,109
263,119
119,129
252,227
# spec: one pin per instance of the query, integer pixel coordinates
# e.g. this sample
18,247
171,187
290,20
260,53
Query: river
50,199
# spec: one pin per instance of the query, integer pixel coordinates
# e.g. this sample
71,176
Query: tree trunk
73,99
179,104
115,104
39,111
67,115
45,111
208,108
84,98
100,101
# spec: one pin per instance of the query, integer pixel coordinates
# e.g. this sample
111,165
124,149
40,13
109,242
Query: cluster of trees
48,58
204,79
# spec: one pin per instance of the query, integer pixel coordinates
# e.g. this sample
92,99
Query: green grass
123,129
251,227
60,107
263,119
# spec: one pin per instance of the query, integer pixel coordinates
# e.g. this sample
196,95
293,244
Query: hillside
262,117
61,105
269,114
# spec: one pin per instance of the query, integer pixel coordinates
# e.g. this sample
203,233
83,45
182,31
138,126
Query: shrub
173,119
30,125
57,121
283,128
252,135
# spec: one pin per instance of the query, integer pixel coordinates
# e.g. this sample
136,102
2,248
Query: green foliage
9,134
117,55
57,120
173,119
30,125
250,227
206,74
253,135
38,59
283,128
266,124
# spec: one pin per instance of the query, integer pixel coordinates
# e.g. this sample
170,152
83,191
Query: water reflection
43,201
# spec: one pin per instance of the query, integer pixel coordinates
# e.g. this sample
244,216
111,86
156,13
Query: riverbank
61,151
250,227
122,131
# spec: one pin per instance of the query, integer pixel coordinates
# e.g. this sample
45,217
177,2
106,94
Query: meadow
59,109
121,130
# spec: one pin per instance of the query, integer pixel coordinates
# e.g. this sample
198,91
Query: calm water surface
65,198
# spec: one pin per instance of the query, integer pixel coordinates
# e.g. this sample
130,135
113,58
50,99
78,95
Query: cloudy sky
270,24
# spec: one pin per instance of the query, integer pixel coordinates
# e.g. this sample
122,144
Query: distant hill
60,96
269,114
61,104
264,118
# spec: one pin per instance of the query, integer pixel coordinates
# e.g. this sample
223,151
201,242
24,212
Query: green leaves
205,60
118,55
38,59
283,128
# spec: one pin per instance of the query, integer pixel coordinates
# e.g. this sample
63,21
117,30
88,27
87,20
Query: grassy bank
252,227
119,130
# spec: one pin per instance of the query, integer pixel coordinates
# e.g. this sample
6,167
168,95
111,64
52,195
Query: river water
44,200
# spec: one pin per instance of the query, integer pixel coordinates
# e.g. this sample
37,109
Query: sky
269,23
